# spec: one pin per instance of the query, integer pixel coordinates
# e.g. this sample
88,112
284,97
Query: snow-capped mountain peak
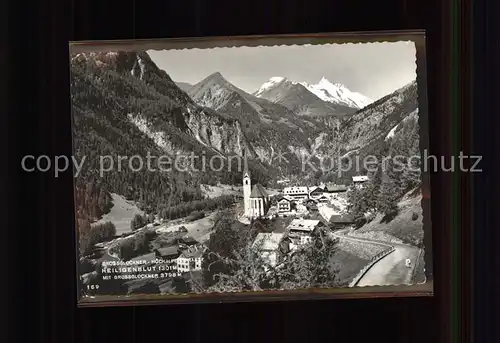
324,82
334,93
277,79
272,82
337,93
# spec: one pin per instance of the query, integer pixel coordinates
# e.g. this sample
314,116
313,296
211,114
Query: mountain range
123,104
184,86
321,99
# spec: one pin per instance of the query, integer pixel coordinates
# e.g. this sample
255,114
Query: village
181,244
291,216
309,208
207,226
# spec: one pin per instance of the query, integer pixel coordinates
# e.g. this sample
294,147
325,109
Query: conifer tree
388,196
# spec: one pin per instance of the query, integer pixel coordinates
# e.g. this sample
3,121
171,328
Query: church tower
247,186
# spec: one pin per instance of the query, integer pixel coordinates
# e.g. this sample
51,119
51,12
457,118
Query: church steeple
247,184
246,173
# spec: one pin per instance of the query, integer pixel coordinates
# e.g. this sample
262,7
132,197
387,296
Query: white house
327,212
362,178
301,209
190,259
323,199
358,181
297,193
168,253
300,230
284,205
332,188
316,192
271,245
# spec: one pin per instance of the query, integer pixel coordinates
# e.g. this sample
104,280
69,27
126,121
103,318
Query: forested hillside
105,123
124,105
397,173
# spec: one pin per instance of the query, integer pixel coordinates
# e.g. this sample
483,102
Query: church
256,200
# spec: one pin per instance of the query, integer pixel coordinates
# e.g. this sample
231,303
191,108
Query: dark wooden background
41,288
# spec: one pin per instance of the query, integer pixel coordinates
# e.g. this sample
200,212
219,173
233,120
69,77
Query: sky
372,69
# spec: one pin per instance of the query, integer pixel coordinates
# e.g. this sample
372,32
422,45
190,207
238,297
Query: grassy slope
348,266
199,229
121,214
352,257
402,227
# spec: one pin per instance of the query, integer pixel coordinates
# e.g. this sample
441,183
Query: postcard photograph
283,167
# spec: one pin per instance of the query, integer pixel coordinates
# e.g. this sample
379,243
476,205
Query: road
391,269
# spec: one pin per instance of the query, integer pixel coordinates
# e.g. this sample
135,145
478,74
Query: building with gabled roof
297,193
271,245
190,259
316,192
311,204
268,241
341,220
303,225
361,178
333,188
323,200
300,230
285,204
359,181
170,253
259,192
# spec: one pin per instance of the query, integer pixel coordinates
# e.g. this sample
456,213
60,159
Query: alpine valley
124,105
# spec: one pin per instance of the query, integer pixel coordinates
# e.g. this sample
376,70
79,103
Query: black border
416,36
41,33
